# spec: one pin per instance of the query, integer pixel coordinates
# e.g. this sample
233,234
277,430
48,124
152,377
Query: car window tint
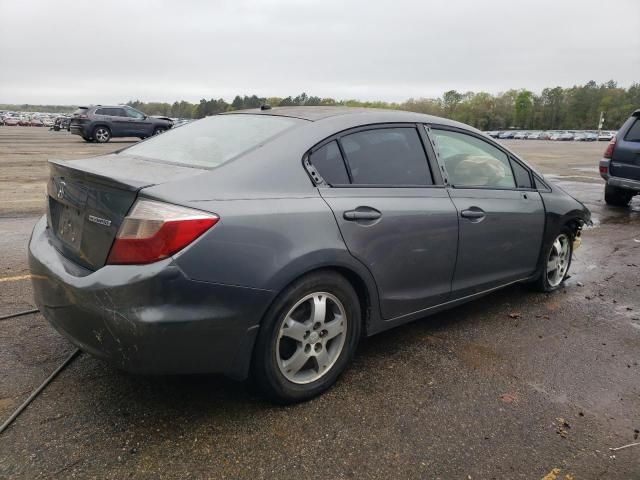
523,179
328,161
101,111
388,156
472,162
633,135
131,113
212,141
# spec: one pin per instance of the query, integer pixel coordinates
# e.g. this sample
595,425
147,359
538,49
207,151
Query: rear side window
633,135
328,161
523,179
101,111
387,156
214,140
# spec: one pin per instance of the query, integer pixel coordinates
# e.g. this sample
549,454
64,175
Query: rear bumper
147,318
78,130
618,182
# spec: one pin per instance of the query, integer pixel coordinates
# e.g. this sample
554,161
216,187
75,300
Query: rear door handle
474,213
362,213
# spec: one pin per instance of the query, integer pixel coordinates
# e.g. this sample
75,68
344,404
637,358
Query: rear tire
307,338
557,261
617,197
101,134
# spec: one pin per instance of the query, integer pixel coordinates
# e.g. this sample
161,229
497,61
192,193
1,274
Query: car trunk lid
88,199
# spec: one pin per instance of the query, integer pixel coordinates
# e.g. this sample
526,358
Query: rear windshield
80,111
213,140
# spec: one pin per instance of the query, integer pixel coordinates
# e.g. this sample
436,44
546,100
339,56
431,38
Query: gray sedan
270,241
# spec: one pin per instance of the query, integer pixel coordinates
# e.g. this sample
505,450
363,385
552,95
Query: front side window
471,162
214,140
119,112
387,156
131,113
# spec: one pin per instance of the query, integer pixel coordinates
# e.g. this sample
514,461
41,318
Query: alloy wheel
558,261
101,134
311,337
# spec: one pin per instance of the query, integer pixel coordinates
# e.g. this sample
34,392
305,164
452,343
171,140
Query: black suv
100,123
620,166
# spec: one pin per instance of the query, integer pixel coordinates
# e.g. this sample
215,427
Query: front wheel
102,134
307,338
617,197
159,130
556,262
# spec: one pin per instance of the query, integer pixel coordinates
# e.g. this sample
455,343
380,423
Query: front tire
101,134
307,338
556,262
159,130
616,197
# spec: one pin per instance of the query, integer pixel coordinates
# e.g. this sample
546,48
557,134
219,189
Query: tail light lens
608,153
156,230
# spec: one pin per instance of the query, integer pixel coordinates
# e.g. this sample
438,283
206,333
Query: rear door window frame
432,167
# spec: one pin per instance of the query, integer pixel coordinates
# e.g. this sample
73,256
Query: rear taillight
156,230
604,169
608,153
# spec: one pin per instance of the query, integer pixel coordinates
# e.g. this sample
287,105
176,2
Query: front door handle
362,213
473,213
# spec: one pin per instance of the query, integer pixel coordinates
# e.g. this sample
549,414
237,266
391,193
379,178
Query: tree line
577,107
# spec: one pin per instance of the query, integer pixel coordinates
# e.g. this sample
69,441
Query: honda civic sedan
268,242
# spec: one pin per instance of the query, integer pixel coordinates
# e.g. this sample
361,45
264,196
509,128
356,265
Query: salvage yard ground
515,385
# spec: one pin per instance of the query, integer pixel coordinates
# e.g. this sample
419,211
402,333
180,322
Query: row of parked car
558,135
28,119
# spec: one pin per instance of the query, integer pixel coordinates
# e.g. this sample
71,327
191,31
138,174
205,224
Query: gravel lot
515,385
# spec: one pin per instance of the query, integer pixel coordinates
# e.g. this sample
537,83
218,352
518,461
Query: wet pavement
515,385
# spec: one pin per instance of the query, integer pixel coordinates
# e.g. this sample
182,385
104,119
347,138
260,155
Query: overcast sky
72,52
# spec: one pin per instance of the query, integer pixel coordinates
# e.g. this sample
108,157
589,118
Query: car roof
364,115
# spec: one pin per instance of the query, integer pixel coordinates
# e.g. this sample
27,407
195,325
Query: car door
120,122
502,217
138,125
392,215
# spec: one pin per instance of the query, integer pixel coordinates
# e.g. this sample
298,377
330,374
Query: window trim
428,153
510,157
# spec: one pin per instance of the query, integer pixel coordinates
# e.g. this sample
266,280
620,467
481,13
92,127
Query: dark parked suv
100,123
620,166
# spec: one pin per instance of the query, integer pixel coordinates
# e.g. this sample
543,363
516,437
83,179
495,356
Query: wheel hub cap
558,260
311,337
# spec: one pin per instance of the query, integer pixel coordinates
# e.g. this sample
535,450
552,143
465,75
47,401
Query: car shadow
174,399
